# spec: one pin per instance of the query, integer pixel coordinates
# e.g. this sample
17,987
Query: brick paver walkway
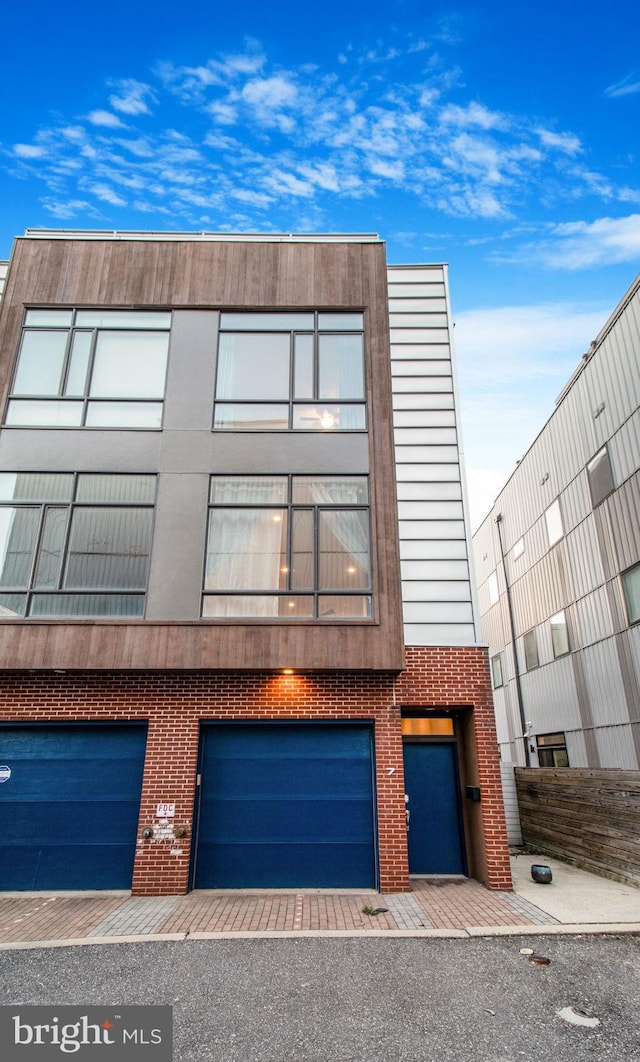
445,903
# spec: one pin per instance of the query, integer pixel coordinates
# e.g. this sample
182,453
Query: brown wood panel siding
156,273
587,817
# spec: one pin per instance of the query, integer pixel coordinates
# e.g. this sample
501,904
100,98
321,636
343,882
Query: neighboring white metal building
558,566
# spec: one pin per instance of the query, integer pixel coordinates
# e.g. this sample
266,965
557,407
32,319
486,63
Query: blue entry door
69,805
431,783
285,806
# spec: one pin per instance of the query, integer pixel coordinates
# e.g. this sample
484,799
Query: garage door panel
284,821
292,867
70,807
315,777
286,805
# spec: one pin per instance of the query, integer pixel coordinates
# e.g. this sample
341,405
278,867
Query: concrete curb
473,932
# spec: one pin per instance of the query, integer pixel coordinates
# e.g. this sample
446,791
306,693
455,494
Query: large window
290,371
553,519
74,545
288,547
496,671
90,368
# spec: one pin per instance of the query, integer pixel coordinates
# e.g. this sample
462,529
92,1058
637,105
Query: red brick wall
175,702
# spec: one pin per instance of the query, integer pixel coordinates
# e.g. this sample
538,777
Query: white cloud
105,118
107,195
626,87
583,245
474,114
29,151
567,143
131,97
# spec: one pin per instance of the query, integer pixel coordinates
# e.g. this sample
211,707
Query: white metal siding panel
550,697
437,591
576,748
514,833
604,683
592,616
616,749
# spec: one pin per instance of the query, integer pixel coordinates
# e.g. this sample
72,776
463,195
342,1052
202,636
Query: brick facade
174,704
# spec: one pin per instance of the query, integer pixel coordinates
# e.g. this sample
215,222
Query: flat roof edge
216,237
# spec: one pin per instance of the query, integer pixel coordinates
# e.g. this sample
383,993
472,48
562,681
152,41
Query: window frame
631,573
600,495
496,671
316,592
72,505
290,400
544,747
558,651
555,532
533,641
86,399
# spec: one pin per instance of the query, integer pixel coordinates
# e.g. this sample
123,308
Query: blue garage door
70,806
285,806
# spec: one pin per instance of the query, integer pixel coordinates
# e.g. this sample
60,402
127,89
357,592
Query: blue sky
501,138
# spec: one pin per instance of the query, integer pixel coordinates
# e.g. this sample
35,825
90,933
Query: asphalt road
358,1000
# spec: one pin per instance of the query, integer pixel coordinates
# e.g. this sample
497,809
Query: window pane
249,490
109,548
553,519
129,365
631,585
239,606
302,565
40,364
559,634
18,537
518,548
98,487
331,490
496,671
86,605
266,322
45,414
341,367
49,318
77,377
303,367
12,605
122,319
322,417
344,607
124,415
344,550
340,322
253,366
246,417
600,476
530,650
492,585
247,549
35,486
51,545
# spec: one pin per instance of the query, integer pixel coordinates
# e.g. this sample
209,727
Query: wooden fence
587,817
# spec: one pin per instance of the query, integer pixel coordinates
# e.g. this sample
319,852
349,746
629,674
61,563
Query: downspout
512,630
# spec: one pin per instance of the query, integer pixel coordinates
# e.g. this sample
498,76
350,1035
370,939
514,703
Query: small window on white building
553,518
600,476
559,634
631,587
493,588
496,671
518,549
530,650
552,750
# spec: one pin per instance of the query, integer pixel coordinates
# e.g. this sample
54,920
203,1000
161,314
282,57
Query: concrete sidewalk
575,901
